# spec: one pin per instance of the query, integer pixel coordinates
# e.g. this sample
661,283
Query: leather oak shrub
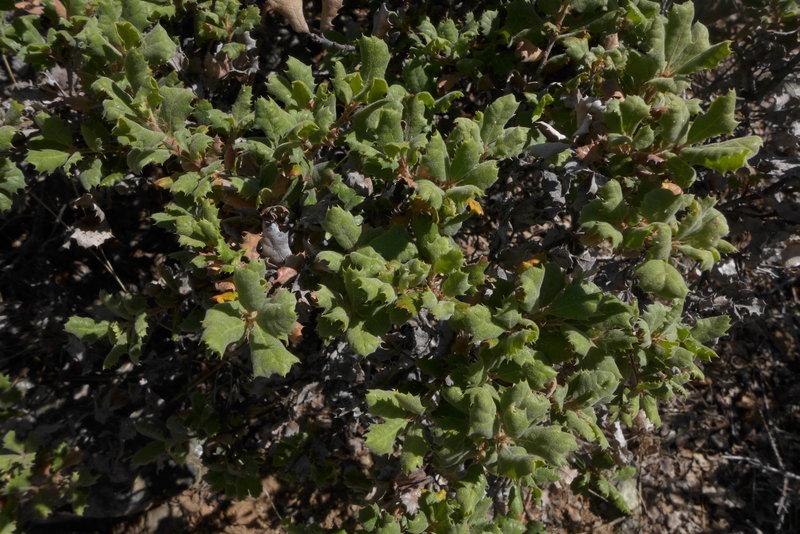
357,175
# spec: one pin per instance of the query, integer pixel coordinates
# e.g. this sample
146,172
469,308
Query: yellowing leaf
474,206
224,297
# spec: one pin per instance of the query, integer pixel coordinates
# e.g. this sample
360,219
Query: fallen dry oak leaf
330,8
292,10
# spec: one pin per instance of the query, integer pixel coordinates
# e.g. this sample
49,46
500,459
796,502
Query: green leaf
678,31
549,442
718,120
436,160
268,355
175,108
86,329
374,58
414,449
623,116
587,388
707,59
222,326
661,279
362,341
482,411
674,123
276,315
381,436
579,301
343,226
477,321
389,404
54,130
661,205
711,328
497,114
157,47
725,156
11,181
248,280
514,462
47,160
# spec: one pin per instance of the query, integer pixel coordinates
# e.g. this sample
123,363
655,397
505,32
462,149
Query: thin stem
8,69
559,21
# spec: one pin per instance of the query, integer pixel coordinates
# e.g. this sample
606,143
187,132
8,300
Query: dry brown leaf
675,188
589,154
296,335
527,51
250,243
61,11
284,275
292,10
33,7
224,285
330,8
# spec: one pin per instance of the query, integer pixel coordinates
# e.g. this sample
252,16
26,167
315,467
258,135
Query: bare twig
559,21
758,464
324,41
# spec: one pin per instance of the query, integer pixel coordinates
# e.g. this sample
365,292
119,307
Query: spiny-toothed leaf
471,488
276,315
390,404
343,226
725,156
466,157
481,176
175,108
297,71
47,160
674,123
711,328
86,329
11,181
549,442
222,326
678,31
374,58
718,120
509,143
650,406
482,411
381,436
477,321
707,59
363,342
157,47
661,279
579,301
414,449
497,114
514,462
587,388
273,120
268,355
436,161
248,280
